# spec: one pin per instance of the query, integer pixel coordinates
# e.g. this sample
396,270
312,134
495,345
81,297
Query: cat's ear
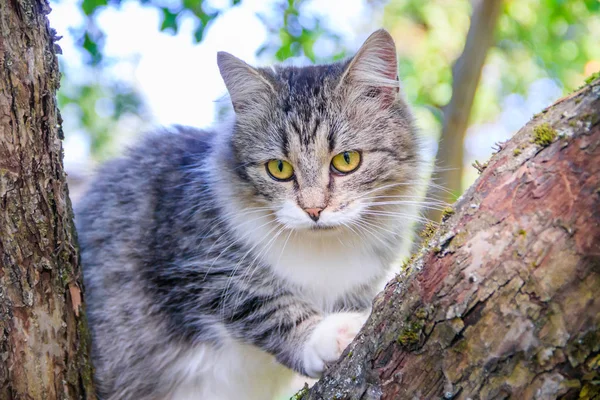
373,71
247,87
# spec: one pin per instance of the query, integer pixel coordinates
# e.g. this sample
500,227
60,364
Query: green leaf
194,6
89,6
91,46
199,33
169,20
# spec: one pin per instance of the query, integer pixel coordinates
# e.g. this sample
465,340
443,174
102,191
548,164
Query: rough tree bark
465,78
43,336
503,300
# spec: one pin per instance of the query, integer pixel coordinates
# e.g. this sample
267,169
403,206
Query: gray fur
164,268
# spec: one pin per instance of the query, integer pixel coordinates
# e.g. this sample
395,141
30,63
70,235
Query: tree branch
465,73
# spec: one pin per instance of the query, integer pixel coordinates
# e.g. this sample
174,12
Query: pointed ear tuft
373,71
247,87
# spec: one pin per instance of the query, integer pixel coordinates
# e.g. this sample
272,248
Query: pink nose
313,213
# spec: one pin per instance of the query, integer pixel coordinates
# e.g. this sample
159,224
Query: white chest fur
325,267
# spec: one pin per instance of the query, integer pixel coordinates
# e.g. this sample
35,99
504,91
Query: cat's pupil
347,157
280,165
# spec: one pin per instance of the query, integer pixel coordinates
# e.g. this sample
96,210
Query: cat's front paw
329,339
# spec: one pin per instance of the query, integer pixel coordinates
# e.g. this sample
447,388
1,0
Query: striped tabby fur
205,278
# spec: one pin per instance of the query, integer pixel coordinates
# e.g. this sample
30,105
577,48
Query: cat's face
323,147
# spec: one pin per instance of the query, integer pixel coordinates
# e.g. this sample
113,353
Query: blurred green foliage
99,108
172,12
117,98
294,34
559,39
291,33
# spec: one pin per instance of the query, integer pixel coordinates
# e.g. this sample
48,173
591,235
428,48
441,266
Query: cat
218,263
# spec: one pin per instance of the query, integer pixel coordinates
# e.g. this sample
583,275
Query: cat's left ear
373,71
247,86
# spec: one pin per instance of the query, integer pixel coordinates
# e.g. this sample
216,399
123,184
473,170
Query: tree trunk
44,340
465,76
503,300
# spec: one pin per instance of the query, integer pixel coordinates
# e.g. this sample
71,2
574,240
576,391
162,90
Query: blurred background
474,71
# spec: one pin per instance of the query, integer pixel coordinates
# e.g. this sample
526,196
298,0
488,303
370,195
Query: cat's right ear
374,70
247,87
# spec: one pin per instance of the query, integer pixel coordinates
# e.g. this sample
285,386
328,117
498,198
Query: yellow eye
280,170
346,162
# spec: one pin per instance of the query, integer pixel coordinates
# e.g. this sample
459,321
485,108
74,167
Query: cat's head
323,147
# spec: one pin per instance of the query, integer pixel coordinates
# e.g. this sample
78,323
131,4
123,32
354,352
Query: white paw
329,339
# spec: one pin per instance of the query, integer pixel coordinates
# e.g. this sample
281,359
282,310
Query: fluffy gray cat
218,263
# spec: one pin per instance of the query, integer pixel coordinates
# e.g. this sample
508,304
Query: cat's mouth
316,227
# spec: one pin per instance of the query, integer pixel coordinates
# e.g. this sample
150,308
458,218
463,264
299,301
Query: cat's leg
240,371
291,330
329,339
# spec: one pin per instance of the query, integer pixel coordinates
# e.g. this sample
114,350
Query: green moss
580,348
408,337
411,335
590,392
522,232
460,347
421,313
592,77
517,152
571,384
406,264
428,231
544,135
301,393
479,166
405,268
447,213
589,79
594,362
